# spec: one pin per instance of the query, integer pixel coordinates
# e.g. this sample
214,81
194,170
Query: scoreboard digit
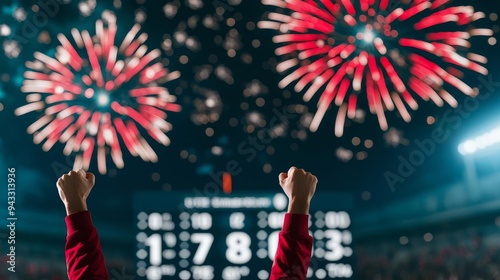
183,236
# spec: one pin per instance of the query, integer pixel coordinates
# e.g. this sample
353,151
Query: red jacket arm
84,258
293,255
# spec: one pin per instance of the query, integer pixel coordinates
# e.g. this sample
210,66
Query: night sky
232,61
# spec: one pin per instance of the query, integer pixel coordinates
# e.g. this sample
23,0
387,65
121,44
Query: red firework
347,48
93,93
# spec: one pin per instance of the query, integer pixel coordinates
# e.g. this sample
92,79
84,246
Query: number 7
205,240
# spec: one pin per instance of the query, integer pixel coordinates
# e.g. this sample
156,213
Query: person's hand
74,188
299,186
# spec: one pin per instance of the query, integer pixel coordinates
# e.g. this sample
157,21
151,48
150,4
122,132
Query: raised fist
299,186
74,188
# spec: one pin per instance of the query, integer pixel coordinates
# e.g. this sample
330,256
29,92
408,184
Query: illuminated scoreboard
231,237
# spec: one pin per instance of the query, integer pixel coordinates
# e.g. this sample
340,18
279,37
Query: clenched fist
299,186
74,188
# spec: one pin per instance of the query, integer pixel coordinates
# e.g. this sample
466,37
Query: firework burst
363,51
94,95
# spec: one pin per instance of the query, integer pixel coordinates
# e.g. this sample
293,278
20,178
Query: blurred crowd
50,268
43,259
456,255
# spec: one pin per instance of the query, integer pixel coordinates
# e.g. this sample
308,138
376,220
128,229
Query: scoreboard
235,236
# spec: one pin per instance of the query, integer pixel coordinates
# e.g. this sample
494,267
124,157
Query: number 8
238,247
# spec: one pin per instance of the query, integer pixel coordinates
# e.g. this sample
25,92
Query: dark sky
112,196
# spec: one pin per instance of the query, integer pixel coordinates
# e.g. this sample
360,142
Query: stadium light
481,142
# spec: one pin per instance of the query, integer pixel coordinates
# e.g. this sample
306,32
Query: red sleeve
84,259
294,249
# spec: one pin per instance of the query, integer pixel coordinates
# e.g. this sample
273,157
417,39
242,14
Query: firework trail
93,93
345,48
